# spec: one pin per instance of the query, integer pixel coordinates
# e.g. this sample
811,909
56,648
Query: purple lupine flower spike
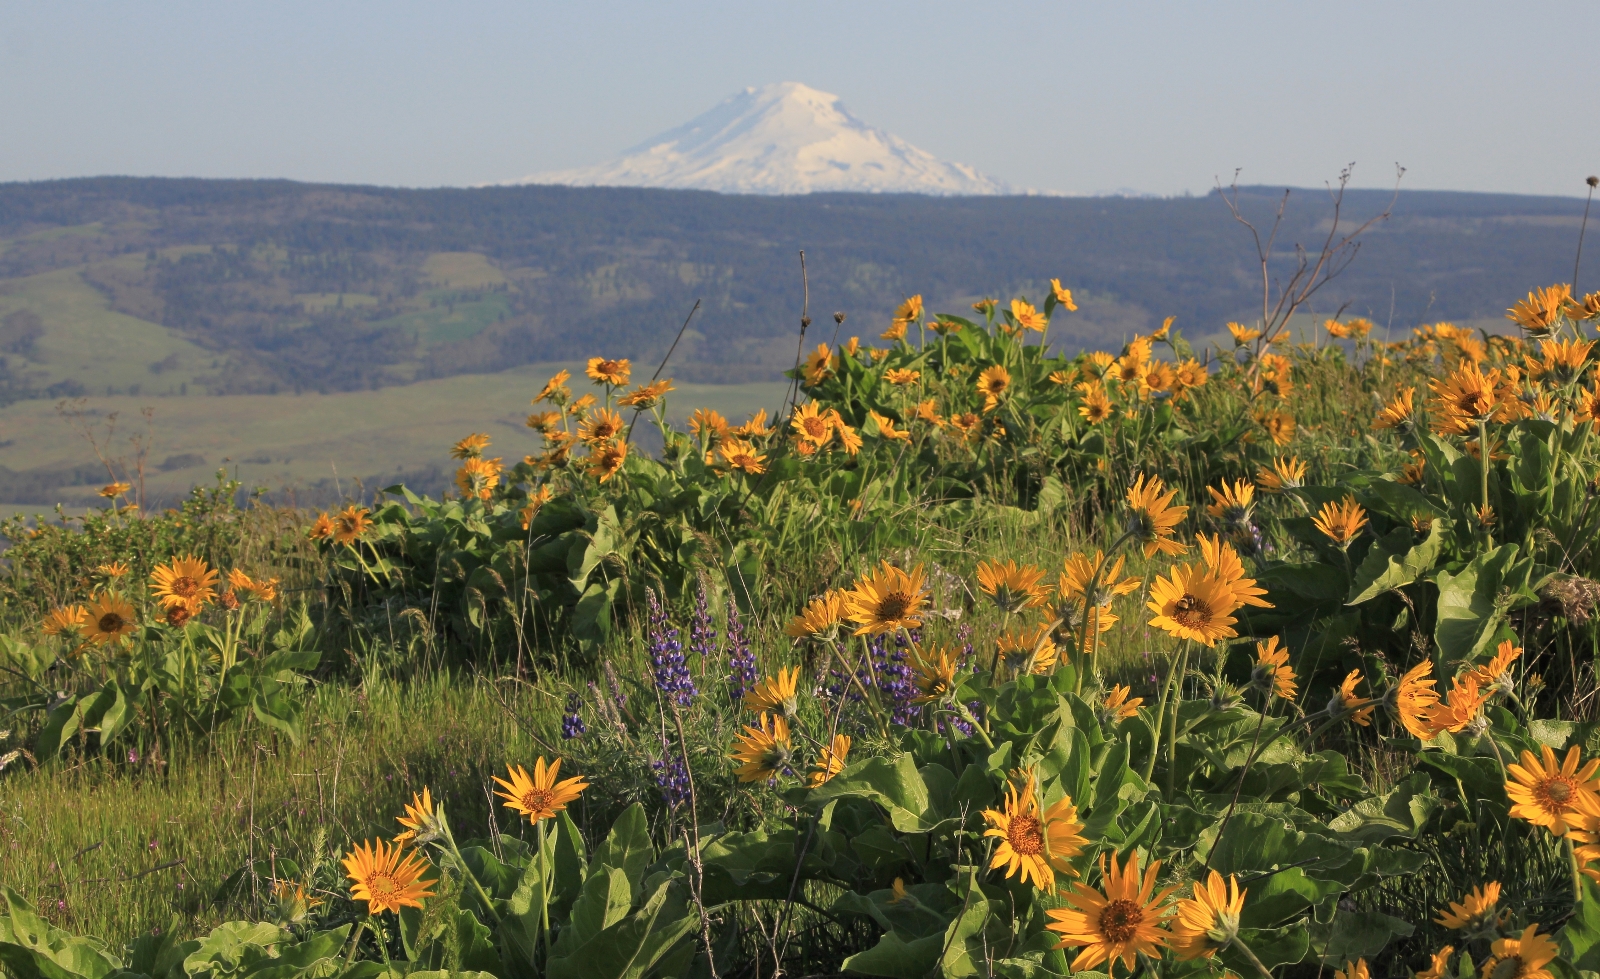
666,653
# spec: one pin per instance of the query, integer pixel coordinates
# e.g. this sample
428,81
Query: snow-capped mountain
785,138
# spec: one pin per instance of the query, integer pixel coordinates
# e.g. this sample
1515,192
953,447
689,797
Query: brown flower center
1472,403
1120,920
1024,835
893,606
110,622
537,800
816,428
1191,612
1506,968
1554,793
184,586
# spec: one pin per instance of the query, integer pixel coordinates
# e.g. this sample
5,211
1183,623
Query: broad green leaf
896,785
230,945
1356,934
971,938
1467,613
1253,841
606,899
895,958
630,947
1480,777
1403,811
60,725
627,847
1580,938
1393,562
1274,947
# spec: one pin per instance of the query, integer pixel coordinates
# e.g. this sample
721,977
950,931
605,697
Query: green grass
447,320
287,440
86,341
115,849
461,270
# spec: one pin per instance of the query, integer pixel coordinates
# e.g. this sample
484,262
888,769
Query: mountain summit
785,138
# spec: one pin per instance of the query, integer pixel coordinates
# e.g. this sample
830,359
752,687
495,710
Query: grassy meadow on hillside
307,446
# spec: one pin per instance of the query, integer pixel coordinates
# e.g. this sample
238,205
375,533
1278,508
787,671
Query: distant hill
161,286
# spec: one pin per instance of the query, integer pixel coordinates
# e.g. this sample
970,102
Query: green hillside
370,325
308,446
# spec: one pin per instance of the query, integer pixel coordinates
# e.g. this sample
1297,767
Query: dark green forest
228,263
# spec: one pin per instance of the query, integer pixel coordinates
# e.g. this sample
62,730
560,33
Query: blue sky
1075,97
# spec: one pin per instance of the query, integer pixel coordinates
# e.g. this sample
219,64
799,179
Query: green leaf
1259,842
1393,562
592,618
231,945
274,708
972,938
630,947
1481,778
1403,811
627,847
61,724
1467,613
605,900
1274,947
896,785
570,865
895,958
1580,938
1356,934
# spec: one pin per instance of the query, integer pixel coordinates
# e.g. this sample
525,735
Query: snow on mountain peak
785,138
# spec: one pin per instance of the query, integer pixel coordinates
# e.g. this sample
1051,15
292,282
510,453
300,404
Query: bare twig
1593,182
805,324
1310,273
662,366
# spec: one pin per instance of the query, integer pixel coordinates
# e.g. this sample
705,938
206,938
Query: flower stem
544,883
1172,725
483,895
1483,470
1161,716
355,940
1245,951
